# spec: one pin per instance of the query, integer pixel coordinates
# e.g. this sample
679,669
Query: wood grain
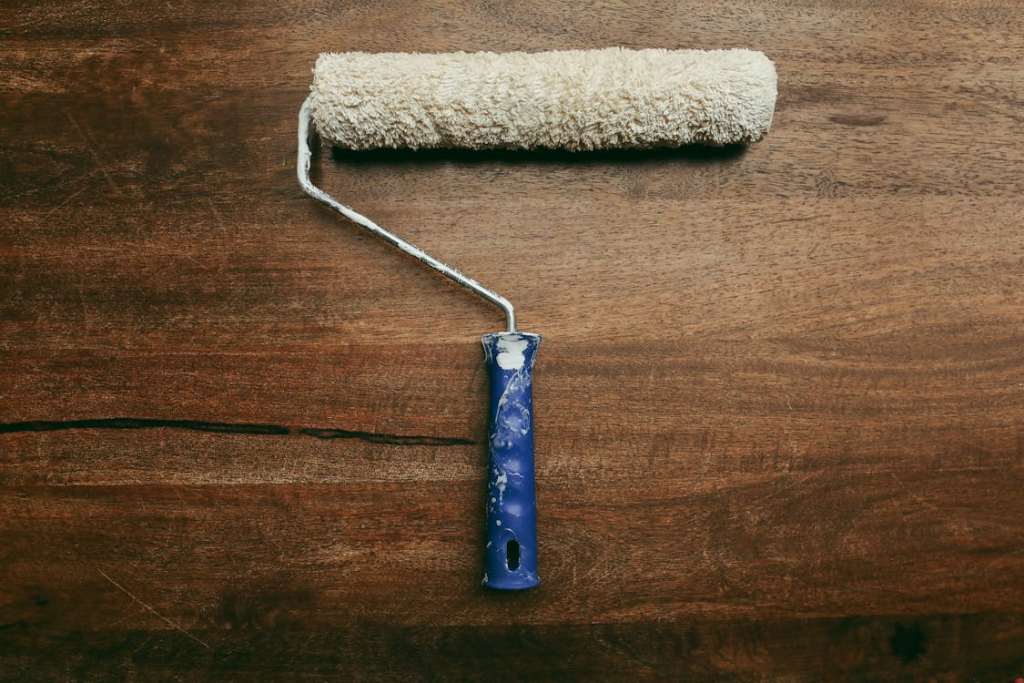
780,399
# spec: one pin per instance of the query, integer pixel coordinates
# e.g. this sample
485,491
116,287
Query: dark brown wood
780,400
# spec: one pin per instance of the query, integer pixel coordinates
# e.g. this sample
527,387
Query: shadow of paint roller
573,100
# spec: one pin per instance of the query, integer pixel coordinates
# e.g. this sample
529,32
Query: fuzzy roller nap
575,100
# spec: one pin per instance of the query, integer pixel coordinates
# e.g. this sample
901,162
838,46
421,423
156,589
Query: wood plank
779,400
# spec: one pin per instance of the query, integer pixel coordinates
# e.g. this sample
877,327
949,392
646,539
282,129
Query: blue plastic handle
511,500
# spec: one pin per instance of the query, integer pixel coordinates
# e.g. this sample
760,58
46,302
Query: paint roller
574,100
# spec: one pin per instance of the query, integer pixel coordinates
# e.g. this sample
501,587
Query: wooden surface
780,399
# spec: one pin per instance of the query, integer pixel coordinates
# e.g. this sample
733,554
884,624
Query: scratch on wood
157,614
218,217
66,200
95,156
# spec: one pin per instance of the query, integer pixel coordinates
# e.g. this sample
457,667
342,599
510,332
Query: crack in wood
231,428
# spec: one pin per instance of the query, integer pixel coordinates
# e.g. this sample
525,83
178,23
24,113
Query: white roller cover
575,99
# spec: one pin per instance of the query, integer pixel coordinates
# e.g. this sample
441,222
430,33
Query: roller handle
511,552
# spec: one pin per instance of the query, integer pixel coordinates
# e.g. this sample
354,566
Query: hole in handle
512,555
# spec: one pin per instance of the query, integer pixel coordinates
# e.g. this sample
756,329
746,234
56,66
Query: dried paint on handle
511,504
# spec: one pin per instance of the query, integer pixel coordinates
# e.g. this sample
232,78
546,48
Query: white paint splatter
510,352
501,481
